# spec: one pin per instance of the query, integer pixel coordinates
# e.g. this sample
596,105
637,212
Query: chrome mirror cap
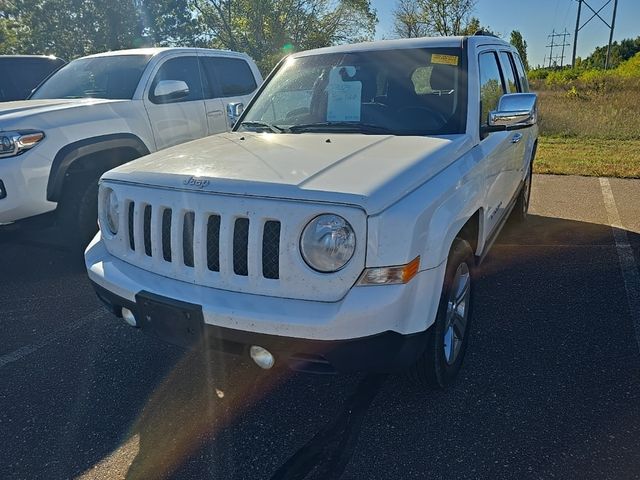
515,110
234,110
171,90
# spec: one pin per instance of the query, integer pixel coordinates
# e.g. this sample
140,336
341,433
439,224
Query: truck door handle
214,113
516,138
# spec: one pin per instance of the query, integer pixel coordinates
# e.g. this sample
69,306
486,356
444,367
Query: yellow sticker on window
444,59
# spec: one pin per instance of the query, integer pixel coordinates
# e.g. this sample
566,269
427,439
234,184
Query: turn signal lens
30,139
390,275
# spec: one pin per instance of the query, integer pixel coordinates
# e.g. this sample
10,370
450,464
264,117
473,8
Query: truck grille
239,239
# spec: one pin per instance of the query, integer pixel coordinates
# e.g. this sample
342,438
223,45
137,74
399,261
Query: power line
595,14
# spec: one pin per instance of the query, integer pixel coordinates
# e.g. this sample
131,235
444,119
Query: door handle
214,113
516,138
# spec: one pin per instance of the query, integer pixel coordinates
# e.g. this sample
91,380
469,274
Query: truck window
228,77
114,77
186,69
524,82
509,74
24,74
491,85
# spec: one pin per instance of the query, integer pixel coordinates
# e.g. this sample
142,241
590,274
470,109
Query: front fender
426,221
68,155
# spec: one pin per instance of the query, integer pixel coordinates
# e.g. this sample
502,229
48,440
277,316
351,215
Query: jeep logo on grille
195,182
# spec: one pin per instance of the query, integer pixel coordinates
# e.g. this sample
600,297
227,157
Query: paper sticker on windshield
444,59
345,94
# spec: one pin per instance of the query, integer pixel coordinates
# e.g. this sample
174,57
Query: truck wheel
448,336
78,210
521,208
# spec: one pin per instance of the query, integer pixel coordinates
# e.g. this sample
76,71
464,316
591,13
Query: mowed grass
588,157
592,133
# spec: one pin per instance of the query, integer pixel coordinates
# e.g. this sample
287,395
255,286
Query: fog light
129,317
262,357
3,192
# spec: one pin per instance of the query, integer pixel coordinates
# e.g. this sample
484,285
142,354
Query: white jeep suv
104,110
338,227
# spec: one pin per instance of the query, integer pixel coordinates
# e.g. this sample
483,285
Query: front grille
271,250
187,238
240,244
166,234
213,243
190,241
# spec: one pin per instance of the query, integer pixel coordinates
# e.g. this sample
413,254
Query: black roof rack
484,33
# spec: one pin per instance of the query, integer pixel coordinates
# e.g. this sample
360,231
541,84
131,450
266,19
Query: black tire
78,210
521,208
434,368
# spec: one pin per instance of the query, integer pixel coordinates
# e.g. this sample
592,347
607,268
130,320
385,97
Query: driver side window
491,85
186,69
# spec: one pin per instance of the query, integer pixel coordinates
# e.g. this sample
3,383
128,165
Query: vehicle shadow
552,369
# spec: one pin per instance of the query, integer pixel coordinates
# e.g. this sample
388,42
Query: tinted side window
24,75
509,74
229,77
181,68
524,82
491,85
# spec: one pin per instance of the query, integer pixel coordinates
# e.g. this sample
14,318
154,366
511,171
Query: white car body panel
302,167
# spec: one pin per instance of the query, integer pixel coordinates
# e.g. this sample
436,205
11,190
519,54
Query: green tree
435,17
521,45
268,29
408,20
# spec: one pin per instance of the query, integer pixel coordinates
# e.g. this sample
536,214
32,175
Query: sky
536,19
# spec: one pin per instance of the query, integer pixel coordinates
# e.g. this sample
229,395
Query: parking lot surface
550,386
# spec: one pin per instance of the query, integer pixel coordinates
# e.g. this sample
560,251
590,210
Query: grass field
590,132
588,156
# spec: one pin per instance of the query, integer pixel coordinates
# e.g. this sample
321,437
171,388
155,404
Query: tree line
265,29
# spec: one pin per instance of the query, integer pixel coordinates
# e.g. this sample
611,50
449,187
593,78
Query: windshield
400,92
112,77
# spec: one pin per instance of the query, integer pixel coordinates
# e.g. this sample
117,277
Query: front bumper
384,352
25,181
372,328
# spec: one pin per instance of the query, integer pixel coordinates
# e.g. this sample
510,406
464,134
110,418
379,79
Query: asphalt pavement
550,386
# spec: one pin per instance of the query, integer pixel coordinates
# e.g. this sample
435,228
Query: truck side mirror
234,110
515,111
167,91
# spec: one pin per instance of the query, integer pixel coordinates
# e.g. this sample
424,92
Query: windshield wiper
340,127
256,124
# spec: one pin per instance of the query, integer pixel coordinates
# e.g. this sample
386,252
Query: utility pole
613,24
595,13
553,37
554,59
575,36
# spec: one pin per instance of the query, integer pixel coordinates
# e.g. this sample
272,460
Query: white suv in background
104,110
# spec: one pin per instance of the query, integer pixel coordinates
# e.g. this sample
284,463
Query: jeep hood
12,111
370,171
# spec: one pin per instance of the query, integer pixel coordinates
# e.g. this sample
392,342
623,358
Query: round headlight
111,211
327,243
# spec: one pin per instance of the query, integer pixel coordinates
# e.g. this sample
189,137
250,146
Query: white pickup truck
339,226
104,110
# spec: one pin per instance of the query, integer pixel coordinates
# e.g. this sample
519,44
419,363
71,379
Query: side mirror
234,110
515,111
170,91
